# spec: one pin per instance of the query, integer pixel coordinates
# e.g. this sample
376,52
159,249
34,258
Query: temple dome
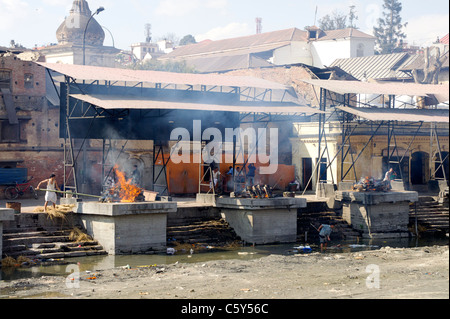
72,29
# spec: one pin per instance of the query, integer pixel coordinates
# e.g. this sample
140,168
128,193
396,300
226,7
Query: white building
149,50
312,47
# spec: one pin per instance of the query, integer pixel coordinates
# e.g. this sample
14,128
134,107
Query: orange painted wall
184,178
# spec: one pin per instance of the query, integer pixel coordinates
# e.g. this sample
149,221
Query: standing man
229,179
251,175
324,235
50,194
389,176
215,179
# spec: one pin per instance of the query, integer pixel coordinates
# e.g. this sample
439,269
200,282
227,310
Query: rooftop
380,67
261,42
439,91
94,73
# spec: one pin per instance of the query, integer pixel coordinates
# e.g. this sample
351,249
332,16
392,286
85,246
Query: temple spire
73,27
81,7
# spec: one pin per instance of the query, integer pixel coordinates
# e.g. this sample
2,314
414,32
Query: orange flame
127,191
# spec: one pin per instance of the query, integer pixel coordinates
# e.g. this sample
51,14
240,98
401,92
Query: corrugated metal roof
140,103
381,67
258,42
227,63
93,73
440,91
401,115
344,33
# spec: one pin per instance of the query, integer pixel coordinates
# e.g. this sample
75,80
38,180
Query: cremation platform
262,221
377,214
127,228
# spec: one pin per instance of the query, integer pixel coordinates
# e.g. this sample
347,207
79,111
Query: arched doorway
395,163
420,163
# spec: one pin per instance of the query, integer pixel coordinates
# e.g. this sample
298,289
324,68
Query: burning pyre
121,189
256,191
369,184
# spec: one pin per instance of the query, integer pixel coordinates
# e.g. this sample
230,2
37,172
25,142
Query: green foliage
188,39
335,22
338,20
389,32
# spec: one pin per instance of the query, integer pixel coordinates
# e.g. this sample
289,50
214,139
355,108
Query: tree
352,17
188,39
171,37
389,32
336,21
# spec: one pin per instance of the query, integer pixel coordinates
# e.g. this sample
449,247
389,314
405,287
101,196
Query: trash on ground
305,249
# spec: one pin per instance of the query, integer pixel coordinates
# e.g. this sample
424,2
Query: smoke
235,142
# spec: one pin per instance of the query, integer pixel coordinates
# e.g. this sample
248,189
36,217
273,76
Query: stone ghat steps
208,231
430,215
342,230
47,245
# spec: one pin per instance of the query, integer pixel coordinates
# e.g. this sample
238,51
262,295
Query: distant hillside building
70,34
312,47
150,50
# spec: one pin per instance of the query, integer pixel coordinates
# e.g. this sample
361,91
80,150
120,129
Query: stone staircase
206,232
34,236
432,217
318,213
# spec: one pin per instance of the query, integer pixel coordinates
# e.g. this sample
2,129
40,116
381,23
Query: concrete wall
326,52
5,215
130,234
296,52
123,228
380,218
377,214
263,226
306,146
262,221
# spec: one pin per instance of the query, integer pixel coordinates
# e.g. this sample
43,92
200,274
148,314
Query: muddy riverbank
385,273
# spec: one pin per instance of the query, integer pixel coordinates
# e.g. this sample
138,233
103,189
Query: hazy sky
31,22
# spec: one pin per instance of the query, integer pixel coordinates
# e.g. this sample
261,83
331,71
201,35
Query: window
9,133
28,80
312,34
360,50
5,79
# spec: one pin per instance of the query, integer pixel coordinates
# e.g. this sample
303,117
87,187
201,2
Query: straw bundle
9,262
60,211
77,235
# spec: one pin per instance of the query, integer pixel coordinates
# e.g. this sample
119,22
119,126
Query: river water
96,263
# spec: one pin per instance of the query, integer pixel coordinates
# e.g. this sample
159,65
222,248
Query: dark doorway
404,166
307,172
419,168
323,170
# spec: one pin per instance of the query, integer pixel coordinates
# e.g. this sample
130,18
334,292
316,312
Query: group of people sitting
239,178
